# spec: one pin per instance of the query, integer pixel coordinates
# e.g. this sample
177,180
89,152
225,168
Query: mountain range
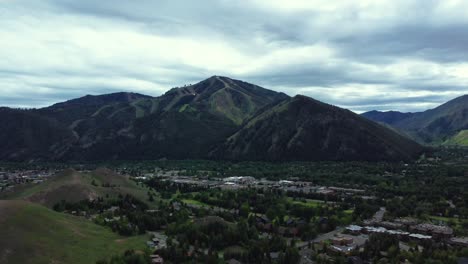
446,124
218,118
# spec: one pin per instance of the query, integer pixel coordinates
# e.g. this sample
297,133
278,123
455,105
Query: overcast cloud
390,54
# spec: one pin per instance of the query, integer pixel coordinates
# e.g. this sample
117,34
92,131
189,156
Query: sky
362,55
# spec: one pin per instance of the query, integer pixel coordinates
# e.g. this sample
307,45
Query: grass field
445,219
195,202
31,233
306,202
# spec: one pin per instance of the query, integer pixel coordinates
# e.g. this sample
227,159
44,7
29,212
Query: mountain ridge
302,128
191,122
433,126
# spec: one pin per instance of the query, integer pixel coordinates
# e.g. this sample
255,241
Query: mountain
32,233
185,122
433,126
192,122
76,109
301,128
390,117
25,134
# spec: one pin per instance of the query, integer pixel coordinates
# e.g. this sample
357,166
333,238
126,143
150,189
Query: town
285,213
9,179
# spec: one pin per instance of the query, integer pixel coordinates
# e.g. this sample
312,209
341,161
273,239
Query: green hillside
460,139
31,233
73,186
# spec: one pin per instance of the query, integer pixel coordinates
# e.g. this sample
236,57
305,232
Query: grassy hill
460,139
73,186
31,233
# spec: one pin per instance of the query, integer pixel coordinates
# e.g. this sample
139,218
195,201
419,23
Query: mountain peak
219,77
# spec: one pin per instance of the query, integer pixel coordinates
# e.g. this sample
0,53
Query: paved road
378,217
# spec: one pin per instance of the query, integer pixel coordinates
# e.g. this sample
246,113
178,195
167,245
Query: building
392,225
459,241
341,250
342,241
233,261
156,259
419,237
407,221
354,229
438,232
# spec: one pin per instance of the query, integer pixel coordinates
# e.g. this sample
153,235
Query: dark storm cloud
444,44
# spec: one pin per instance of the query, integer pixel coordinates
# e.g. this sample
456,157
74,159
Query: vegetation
435,126
219,118
265,224
34,234
460,139
72,186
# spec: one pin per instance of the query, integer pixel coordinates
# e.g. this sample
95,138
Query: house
263,219
419,237
113,209
290,222
341,250
233,261
354,229
150,244
342,241
274,255
156,259
176,206
459,241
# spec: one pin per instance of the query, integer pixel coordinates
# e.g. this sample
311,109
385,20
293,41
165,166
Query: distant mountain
433,126
301,128
390,117
207,120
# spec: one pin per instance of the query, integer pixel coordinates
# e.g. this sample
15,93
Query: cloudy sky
391,54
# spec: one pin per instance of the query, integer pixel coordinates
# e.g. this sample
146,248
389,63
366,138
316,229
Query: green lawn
307,203
195,202
445,219
349,212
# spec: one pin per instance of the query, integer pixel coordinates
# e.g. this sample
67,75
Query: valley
252,212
